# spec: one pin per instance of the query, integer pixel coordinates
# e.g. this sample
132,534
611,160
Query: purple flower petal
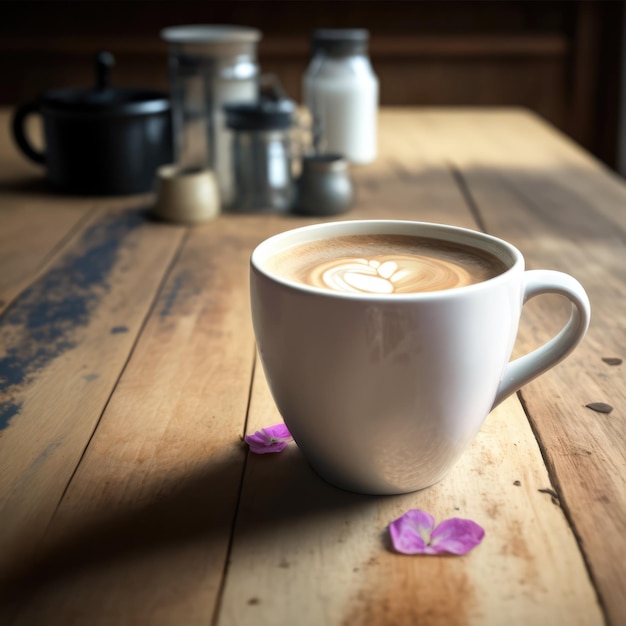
410,533
456,536
278,431
271,439
415,533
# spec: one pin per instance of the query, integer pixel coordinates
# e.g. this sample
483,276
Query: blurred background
563,60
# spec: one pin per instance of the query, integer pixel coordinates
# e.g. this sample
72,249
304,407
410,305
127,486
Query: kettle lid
103,99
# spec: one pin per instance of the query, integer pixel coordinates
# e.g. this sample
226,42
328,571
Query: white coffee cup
385,423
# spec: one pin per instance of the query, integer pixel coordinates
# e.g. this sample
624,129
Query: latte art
385,264
388,274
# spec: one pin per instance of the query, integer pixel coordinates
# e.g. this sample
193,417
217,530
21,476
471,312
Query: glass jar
341,92
262,150
209,66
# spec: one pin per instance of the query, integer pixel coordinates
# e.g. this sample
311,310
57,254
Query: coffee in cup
385,264
386,343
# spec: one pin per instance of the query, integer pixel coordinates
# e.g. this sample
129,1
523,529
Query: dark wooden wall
560,59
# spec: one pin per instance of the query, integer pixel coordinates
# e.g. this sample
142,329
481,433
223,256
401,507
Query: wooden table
129,375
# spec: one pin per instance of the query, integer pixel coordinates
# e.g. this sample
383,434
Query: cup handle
19,133
524,369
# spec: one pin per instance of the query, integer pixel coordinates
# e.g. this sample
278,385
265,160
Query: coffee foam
385,264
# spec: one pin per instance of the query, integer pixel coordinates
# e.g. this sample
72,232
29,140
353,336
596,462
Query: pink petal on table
278,431
456,536
415,533
410,533
271,439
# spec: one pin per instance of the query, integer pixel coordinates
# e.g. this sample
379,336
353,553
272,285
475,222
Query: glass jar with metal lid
262,152
209,66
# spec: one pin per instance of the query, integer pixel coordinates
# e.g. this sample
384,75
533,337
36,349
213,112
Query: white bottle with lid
341,92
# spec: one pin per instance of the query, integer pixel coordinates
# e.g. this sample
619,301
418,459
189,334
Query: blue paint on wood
178,290
41,324
8,410
173,294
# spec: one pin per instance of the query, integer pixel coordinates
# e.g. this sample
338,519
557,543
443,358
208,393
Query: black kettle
100,141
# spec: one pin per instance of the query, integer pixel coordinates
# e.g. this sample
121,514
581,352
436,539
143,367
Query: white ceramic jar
340,90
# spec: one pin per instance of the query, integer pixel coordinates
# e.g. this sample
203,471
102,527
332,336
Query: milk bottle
341,91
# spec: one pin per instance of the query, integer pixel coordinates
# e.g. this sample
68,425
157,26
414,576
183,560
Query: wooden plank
63,344
142,533
303,548
36,222
565,211
29,237
404,183
34,235
30,231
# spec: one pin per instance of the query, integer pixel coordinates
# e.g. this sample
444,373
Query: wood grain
302,547
29,237
142,533
30,233
566,212
63,344
38,223
158,477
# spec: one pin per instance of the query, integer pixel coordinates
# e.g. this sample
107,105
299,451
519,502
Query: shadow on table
31,184
196,511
